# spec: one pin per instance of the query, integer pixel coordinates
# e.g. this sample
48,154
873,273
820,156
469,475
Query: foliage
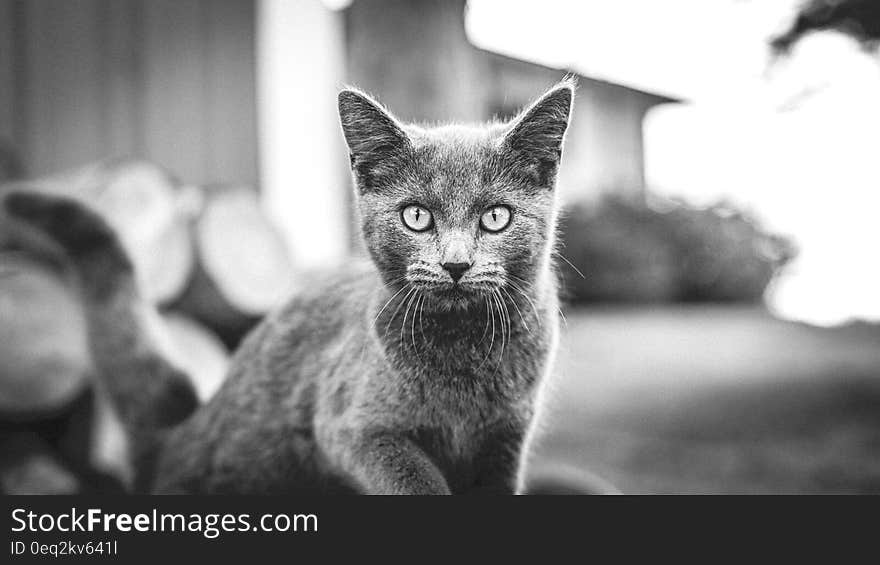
629,251
857,18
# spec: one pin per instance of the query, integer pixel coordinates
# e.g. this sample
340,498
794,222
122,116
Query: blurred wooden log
197,351
44,358
108,443
242,252
144,204
30,465
51,455
204,302
243,267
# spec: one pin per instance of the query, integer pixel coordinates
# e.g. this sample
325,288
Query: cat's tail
149,395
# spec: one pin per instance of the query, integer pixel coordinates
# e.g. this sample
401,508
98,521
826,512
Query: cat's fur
383,377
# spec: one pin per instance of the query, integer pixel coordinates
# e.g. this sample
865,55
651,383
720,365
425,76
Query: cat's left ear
534,138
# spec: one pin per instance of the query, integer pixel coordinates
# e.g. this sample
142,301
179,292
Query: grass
717,400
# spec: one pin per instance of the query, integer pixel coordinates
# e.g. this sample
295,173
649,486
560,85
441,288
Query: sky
792,140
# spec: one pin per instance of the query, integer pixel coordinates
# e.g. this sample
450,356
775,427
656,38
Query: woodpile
206,257
209,252
242,269
196,351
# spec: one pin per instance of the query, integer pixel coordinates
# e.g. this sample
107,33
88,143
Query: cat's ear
375,138
534,138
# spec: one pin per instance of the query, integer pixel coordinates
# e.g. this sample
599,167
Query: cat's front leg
386,462
496,461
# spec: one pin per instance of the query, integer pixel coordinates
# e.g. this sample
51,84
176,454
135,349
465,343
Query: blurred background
720,188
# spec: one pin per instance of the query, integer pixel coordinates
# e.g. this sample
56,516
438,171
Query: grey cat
415,373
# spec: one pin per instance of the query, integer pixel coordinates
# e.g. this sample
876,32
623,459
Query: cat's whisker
492,336
386,305
415,309
486,329
491,315
528,298
570,264
528,284
506,315
419,301
501,323
526,287
515,305
421,326
376,319
409,302
399,306
562,315
526,290
494,297
519,283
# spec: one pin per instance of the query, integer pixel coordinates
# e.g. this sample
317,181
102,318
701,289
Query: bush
630,251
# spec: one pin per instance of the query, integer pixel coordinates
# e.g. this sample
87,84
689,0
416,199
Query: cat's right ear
375,138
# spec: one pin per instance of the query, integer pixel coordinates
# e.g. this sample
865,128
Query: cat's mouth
459,294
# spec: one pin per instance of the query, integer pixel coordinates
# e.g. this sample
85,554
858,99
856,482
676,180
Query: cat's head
457,211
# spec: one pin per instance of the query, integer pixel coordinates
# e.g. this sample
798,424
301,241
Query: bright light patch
794,141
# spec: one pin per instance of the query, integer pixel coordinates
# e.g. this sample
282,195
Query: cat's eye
495,218
417,218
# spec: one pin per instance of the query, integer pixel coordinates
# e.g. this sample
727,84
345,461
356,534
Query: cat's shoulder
325,304
354,279
331,295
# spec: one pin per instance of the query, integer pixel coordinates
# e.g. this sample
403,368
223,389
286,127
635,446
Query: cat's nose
456,270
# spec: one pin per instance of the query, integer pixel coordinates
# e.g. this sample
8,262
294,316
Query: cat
416,372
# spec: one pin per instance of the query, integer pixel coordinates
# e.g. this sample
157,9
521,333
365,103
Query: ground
716,400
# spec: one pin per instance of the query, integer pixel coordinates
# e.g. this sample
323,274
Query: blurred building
172,81
243,91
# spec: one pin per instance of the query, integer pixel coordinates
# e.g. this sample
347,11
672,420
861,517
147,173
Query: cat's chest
460,385
503,354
